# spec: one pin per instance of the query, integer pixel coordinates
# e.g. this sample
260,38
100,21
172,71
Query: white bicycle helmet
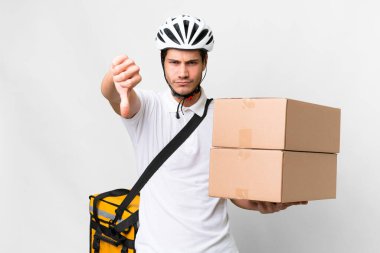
185,32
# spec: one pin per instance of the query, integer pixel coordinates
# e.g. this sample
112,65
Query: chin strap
182,102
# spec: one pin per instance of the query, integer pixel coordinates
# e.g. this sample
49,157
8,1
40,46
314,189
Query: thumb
124,103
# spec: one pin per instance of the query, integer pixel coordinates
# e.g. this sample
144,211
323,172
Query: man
176,213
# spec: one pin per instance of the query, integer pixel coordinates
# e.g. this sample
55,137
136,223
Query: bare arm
117,86
263,206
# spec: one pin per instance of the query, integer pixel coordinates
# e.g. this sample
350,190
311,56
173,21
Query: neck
189,102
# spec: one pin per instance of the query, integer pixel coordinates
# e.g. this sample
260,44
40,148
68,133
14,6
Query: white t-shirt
176,213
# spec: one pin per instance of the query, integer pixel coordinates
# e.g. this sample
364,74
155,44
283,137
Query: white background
60,140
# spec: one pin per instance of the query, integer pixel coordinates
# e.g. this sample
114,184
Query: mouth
182,83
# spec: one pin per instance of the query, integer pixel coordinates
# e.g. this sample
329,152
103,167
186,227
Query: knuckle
118,59
116,69
128,62
127,84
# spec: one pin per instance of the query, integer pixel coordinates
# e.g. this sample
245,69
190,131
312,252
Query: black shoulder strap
156,163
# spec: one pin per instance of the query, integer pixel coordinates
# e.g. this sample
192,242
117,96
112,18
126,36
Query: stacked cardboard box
274,149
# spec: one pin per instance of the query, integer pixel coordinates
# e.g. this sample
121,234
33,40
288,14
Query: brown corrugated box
256,144
276,123
272,175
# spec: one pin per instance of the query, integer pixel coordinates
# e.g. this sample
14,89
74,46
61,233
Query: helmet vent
176,26
210,40
186,25
201,36
195,28
171,35
159,36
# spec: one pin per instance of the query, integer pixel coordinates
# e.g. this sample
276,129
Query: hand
272,207
125,74
264,206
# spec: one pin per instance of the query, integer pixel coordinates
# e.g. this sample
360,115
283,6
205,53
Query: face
183,69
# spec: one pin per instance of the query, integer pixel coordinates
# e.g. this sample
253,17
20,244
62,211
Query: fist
125,74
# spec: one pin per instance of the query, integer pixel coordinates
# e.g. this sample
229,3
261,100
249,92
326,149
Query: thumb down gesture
125,74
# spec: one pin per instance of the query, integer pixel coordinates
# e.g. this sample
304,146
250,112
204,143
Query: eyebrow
192,60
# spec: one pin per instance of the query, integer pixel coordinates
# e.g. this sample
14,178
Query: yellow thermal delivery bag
105,235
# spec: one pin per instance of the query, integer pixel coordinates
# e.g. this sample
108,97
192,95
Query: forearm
108,89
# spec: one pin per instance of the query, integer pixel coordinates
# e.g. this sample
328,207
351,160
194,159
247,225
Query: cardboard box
276,123
272,175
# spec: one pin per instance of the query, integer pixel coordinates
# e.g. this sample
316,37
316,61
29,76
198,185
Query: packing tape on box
241,193
243,154
245,137
248,103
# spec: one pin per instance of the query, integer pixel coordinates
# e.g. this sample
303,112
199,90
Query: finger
282,206
124,76
302,203
263,207
130,83
123,66
275,207
254,205
119,59
135,80
297,203
124,103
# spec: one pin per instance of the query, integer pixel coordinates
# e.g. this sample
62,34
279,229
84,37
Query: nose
183,72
